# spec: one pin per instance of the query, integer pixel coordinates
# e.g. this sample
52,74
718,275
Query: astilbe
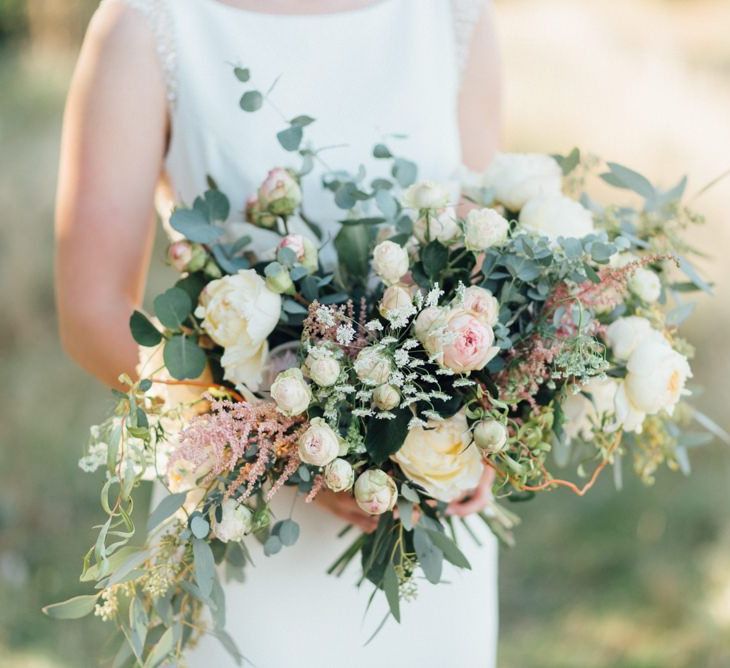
221,438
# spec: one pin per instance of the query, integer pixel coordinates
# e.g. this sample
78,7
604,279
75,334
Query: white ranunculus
482,303
490,436
386,397
236,522
437,226
440,460
339,475
322,367
291,392
583,412
484,228
239,312
556,216
426,195
373,366
390,262
625,334
318,445
375,492
396,303
645,284
655,380
516,178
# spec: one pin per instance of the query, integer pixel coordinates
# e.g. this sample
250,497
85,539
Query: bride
153,110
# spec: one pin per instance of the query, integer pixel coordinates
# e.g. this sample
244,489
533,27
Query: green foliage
183,358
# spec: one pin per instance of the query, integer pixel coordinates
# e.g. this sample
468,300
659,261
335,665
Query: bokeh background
636,579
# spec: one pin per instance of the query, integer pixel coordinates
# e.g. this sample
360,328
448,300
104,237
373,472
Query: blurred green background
636,579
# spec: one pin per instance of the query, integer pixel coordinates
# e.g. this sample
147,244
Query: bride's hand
343,505
476,500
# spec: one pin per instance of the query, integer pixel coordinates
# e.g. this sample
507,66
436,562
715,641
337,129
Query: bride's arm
113,145
480,100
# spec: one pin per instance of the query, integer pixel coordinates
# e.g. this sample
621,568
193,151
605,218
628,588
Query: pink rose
468,343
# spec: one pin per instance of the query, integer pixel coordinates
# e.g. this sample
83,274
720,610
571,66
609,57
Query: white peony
556,216
318,445
440,460
390,262
291,392
655,382
339,475
239,312
645,284
236,522
516,178
484,228
583,412
375,492
426,195
373,366
625,334
490,436
437,226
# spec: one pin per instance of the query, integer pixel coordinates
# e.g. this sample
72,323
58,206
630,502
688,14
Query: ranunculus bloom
484,228
442,458
236,522
318,445
516,178
291,392
390,262
556,216
375,492
239,312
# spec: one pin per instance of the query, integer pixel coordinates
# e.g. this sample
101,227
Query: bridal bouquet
511,324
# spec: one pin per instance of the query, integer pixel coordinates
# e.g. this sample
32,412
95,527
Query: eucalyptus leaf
291,138
385,437
429,556
169,505
392,594
143,331
161,650
173,307
204,564
194,226
449,548
183,358
73,608
252,100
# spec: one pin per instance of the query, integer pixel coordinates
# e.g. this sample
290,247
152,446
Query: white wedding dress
390,67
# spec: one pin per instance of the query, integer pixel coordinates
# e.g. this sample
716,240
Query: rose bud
390,262
372,366
375,492
339,475
386,397
280,193
319,445
426,195
305,251
322,367
483,229
278,279
291,392
490,436
179,255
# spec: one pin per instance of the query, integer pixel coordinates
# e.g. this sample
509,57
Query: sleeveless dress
365,74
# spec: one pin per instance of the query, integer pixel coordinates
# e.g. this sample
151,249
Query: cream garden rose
483,229
322,367
482,303
375,492
319,444
390,262
239,312
439,225
291,392
339,475
396,303
556,216
440,458
236,522
589,407
373,366
625,334
516,178
426,195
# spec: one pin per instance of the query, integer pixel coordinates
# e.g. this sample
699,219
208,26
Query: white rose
339,475
375,492
516,178
440,460
236,522
556,216
390,262
482,303
655,382
437,226
426,195
484,228
425,321
490,436
291,392
386,397
583,412
645,284
318,445
322,367
625,334
239,312
396,303
373,366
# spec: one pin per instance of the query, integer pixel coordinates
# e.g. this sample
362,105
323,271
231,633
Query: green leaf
272,546
602,252
173,307
409,493
165,508
405,172
623,177
161,650
252,100
449,548
73,608
353,248
362,221
193,225
691,273
229,645
348,194
287,531
217,205
242,73
193,285
204,563
429,556
381,151
387,204
302,121
143,331
385,437
435,257
183,358
199,526
390,586
569,162
291,138
679,314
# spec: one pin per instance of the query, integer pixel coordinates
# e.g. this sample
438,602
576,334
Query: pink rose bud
179,255
280,193
294,242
